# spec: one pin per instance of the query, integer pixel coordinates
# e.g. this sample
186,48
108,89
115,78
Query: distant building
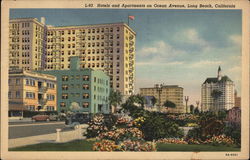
31,91
237,100
149,102
171,93
87,87
217,93
234,116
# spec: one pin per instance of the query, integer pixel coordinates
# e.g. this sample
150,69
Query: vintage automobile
76,119
40,117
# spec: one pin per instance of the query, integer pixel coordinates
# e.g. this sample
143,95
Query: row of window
84,104
50,97
97,30
84,96
11,94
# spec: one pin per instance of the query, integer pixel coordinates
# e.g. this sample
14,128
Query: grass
193,147
78,145
83,145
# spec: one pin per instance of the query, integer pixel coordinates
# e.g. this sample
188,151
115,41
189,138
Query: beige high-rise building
27,44
107,47
163,93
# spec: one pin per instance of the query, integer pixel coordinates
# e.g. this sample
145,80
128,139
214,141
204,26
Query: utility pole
159,89
186,100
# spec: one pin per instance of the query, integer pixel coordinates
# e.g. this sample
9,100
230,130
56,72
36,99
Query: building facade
234,116
171,93
27,44
31,91
106,47
217,93
237,100
88,88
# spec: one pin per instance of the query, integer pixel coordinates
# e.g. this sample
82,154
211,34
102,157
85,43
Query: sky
174,47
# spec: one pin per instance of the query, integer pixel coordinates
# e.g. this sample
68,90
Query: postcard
125,79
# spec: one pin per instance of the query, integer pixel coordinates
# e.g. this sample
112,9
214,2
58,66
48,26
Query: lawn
193,147
83,145
79,145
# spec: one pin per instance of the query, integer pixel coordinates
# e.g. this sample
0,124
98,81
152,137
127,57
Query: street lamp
186,100
159,90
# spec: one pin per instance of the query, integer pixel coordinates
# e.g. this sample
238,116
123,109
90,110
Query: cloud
236,69
205,63
236,39
158,51
190,36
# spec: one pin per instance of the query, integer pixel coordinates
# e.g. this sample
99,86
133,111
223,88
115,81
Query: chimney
43,20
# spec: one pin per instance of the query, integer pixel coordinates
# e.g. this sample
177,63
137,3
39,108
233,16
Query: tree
153,100
169,104
74,107
115,99
196,110
136,99
192,108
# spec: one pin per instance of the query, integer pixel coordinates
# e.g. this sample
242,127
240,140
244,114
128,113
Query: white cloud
236,39
236,69
205,63
191,36
158,51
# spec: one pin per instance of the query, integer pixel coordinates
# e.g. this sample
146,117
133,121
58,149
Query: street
26,129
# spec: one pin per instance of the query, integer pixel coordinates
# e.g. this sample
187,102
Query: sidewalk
65,136
20,120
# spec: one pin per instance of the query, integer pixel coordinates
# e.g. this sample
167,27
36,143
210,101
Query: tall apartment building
27,44
172,93
217,93
107,47
87,87
31,91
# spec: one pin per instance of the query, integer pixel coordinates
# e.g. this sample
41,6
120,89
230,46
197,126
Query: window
65,96
18,95
85,86
17,81
65,87
62,104
30,95
85,78
85,96
85,105
9,95
65,78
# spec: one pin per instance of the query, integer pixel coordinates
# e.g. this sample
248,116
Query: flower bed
105,145
127,145
121,134
219,140
172,141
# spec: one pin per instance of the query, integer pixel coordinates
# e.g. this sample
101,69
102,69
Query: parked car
76,119
53,117
40,117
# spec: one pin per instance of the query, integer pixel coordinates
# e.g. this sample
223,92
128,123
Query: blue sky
181,47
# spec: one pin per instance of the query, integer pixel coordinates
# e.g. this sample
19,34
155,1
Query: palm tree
169,104
153,100
216,94
115,99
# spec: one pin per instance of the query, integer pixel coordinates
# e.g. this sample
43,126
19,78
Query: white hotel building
224,87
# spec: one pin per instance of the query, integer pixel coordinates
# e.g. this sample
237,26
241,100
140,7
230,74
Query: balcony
42,101
42,89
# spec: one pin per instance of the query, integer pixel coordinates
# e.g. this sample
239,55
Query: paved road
18,130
